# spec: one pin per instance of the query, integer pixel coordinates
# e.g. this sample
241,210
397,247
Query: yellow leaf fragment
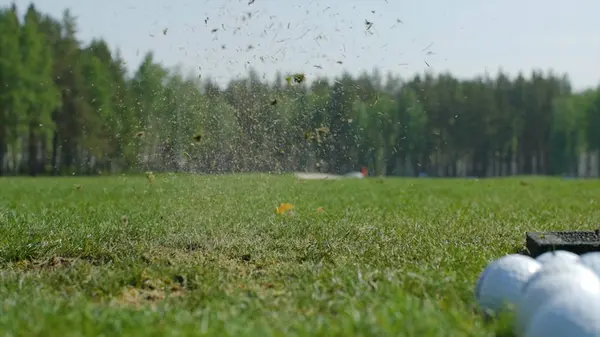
284,208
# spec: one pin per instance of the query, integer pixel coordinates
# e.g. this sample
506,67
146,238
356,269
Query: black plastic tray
578,242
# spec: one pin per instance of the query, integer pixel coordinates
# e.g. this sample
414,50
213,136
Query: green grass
197,255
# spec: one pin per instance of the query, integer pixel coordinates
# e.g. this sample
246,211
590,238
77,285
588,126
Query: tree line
68,108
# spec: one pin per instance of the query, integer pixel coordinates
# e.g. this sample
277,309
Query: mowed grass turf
207,255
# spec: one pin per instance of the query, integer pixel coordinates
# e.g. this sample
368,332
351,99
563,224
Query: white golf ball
555,267
570,314
501,282
548,257
592,261
543,287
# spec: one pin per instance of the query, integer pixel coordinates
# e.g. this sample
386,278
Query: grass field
198,255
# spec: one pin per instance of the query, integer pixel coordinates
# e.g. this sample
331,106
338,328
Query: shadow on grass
520,249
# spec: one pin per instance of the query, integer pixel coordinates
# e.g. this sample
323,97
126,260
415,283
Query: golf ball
555,267
592,261
501,282
539,290
564,255
571,314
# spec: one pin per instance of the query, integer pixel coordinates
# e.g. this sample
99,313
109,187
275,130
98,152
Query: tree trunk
54,158
32,146
67,154
3,151
43,158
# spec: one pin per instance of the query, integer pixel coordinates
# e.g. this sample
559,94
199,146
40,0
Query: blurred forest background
68,108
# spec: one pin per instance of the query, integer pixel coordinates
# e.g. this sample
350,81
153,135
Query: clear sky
464,37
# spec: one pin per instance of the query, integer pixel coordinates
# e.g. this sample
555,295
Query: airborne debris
317,135
150,177
376,100
323,130
295,79
428,46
